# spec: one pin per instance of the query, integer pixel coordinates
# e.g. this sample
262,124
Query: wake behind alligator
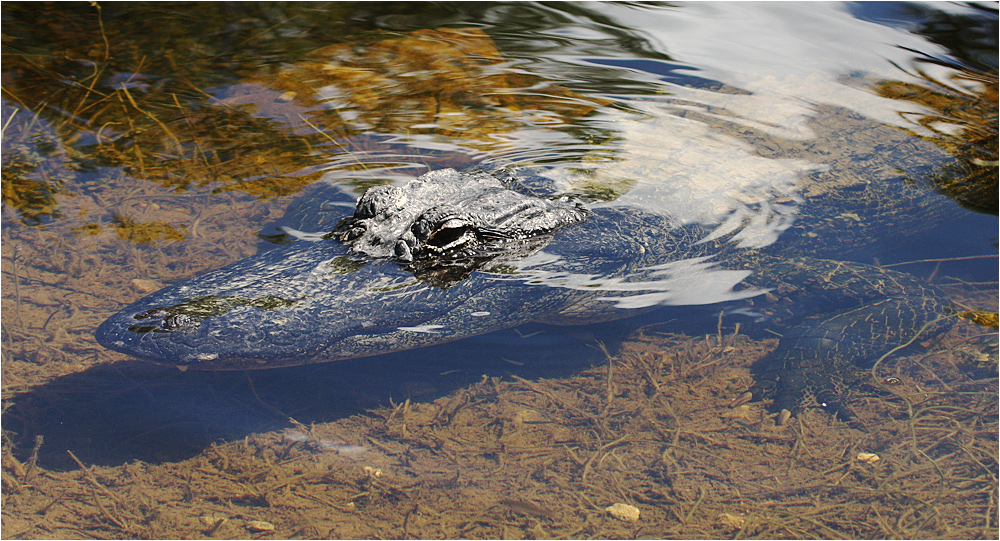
457,254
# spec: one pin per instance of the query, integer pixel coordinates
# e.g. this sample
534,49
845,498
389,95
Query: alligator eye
448,233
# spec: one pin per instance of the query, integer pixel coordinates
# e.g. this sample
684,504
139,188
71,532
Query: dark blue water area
961,245
112,414
667,72
970,34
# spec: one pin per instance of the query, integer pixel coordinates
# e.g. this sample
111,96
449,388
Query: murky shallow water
143,145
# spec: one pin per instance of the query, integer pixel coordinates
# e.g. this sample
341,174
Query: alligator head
397,275
445,224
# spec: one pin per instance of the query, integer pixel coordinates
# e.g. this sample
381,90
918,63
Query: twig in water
17,291
97,485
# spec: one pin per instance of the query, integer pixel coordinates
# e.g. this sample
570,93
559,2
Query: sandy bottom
545,458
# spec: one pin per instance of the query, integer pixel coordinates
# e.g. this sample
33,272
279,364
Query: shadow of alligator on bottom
119,412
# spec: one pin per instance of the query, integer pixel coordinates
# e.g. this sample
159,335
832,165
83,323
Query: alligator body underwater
456,254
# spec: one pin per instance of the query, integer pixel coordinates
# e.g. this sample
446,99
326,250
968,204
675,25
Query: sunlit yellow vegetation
962,119
223,120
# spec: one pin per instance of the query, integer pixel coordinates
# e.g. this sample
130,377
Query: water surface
144,144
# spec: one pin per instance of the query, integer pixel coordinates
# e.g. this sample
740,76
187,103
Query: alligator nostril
353,233
402,251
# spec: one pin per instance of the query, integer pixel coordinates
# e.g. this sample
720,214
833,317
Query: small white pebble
869,458
623,511
145,286
260,526
732,521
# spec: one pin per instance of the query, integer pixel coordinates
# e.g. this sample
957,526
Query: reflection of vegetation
204,307
33,198
250,108
442,82
90,229
344,265
103,105
969,36
146,232
216,305
29,181
962,111
964,122
232,150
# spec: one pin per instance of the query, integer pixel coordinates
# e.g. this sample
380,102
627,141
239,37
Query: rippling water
144,144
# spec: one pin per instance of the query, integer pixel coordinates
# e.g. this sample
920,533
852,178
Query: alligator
456,254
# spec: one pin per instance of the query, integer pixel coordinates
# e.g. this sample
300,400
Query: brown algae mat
513,458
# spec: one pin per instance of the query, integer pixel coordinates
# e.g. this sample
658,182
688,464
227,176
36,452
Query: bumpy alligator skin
858,313
445,224
315,302
453,255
